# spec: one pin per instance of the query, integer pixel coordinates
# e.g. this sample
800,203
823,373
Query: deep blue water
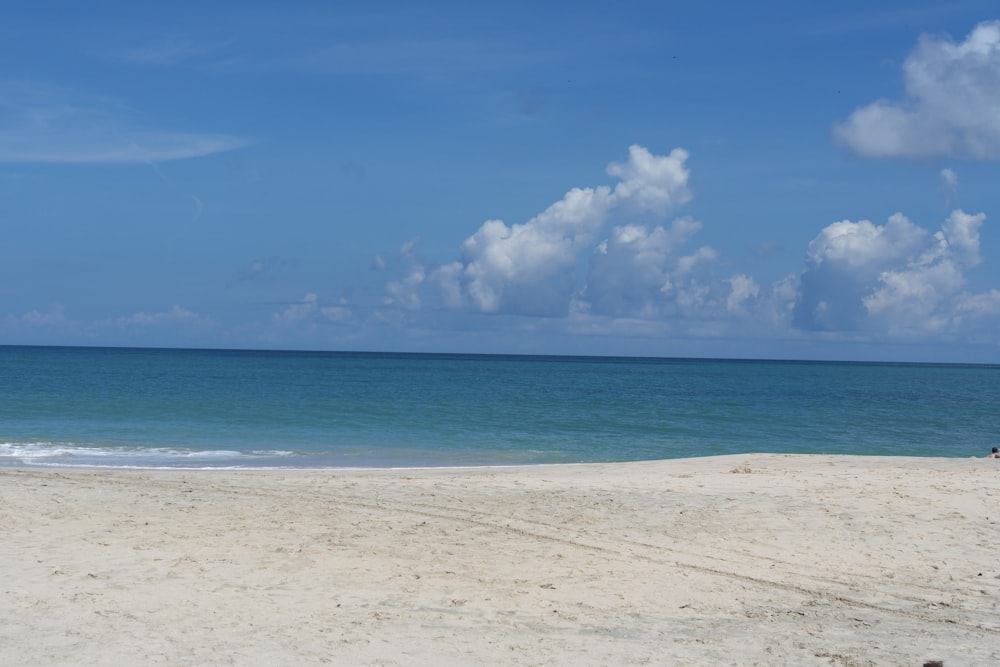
220,408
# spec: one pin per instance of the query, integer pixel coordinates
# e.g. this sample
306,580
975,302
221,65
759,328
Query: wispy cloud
54,317
44,124
174,316
310,311
174,51
437,56
873,18
408,43
263,266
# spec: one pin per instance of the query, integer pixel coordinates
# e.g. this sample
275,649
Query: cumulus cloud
743,289
951,108
650,182
640,271
404,291
895,278
975,312
530,268
578,261
524,267
572,260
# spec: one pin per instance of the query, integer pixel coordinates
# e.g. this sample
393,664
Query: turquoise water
212,408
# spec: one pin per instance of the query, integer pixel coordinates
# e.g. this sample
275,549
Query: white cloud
444,56
175,320
448,279
256,268
743,289
894,279
861,245
979,306
961,232
264,266
41,124
405,292
55,317
952,104
910,298
174,315
949,179
308,312
949,183
106,145
568,264
529,268
295,313
651,183
639,272
172,51
843,264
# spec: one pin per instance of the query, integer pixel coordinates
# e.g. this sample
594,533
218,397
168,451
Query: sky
719,179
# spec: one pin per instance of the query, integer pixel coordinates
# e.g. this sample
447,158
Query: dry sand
734,560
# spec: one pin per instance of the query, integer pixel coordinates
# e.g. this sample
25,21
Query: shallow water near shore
228,408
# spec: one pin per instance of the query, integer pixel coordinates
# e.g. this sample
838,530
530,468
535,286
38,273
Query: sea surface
63,406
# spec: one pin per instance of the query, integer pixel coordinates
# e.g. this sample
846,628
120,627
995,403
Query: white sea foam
72,454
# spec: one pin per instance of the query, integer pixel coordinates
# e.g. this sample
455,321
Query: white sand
735,560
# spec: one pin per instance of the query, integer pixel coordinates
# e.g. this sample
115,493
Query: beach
751,559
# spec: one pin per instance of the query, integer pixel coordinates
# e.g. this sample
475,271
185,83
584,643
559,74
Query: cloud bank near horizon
895,280
595,254
609,260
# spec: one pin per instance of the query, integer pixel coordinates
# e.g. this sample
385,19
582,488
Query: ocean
119,407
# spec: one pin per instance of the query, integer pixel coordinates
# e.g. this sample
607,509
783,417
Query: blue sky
729,179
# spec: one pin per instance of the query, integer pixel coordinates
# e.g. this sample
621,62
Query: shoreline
806,559
464,467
